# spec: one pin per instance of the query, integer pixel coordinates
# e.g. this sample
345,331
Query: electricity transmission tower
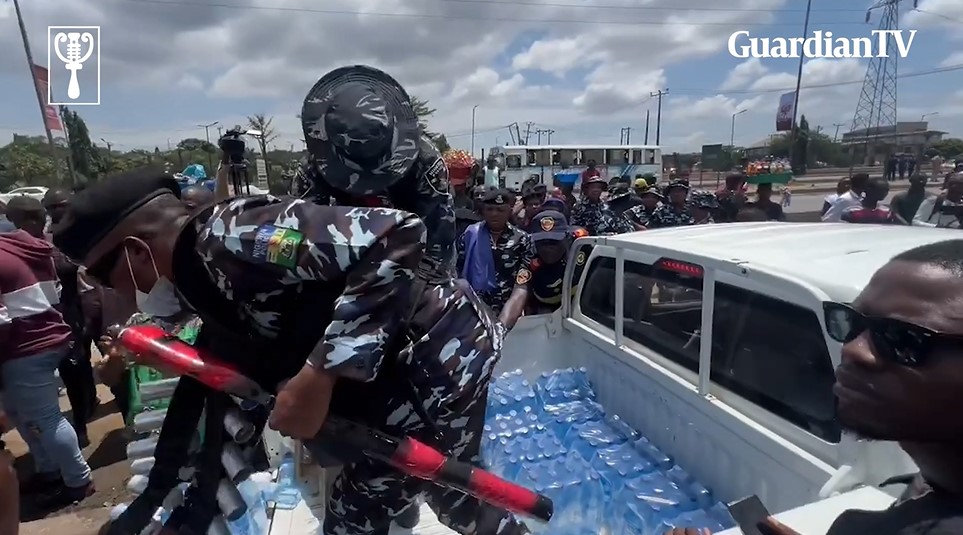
876,106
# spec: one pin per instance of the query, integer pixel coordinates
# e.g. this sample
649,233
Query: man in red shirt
34,339
869,211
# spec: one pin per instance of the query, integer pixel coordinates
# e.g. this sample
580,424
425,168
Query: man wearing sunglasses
901,379
327,296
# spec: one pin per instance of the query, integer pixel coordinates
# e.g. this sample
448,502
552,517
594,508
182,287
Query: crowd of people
378,295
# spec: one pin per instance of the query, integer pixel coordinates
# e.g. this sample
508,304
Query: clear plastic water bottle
287,495
712,519
662,497
619,426
619,464
654,454
696,491
560,386
568,414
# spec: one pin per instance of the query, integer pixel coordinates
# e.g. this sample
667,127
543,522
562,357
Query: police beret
99,208
498,196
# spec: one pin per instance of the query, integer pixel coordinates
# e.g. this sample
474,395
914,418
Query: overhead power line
654,8
185,3
948,68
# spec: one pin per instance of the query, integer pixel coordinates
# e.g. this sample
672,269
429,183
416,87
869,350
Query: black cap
549,226
498,196
98,209
677,184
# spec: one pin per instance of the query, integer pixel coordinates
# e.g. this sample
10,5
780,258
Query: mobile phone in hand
748,513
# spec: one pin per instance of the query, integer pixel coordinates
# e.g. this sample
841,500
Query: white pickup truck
711,341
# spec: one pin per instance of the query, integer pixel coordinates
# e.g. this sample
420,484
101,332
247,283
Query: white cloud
953,59
516,62
943,14
744,74
484,85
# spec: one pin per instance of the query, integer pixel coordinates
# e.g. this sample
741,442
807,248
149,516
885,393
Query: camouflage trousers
367,495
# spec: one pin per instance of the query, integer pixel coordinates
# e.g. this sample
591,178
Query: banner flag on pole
51,117
784,115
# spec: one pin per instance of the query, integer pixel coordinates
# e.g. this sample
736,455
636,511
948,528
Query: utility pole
646,127
549,133
794,130
836,135
473,108
207,135
658,114
40,98
528,131
538,136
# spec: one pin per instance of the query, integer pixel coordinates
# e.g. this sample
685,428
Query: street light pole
925,115
732,133
836,135
473,108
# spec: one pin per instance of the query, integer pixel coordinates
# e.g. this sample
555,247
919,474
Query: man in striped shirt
34,339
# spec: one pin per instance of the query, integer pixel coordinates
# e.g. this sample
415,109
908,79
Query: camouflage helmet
704,200
619,190
360,129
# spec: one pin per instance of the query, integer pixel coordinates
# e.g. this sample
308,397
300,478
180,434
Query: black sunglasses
898,341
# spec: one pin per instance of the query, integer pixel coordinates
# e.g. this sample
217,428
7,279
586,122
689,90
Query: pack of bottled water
604,477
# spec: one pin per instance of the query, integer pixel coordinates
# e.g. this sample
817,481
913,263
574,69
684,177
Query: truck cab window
513,161
774,354
662,309
598,296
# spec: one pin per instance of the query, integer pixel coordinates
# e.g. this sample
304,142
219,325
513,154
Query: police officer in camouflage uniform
325,295
675,211
702,205
367,149
594,215
649,199
495,257
553,238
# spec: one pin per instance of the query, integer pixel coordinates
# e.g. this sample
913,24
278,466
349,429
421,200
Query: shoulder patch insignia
580,258
523,276
277,245
437,176
547,224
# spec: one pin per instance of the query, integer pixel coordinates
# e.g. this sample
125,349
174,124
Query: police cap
100,208
498,197
549,225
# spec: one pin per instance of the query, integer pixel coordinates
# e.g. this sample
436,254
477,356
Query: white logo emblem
78,49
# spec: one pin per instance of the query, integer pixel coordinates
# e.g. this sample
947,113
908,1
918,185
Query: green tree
83,154
800,147
24,164
442,143
949,148
424,111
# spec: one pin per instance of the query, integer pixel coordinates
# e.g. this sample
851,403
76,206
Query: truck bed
729,453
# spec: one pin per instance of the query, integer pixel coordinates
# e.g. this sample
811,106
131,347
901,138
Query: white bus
520,162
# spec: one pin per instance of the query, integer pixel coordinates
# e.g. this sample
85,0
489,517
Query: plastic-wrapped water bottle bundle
603,476
242,496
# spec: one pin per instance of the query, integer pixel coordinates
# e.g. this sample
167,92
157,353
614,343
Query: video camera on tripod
232,146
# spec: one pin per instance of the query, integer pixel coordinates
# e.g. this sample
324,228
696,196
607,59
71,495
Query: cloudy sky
583,68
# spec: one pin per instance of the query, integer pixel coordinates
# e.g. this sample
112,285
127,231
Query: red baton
154,347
